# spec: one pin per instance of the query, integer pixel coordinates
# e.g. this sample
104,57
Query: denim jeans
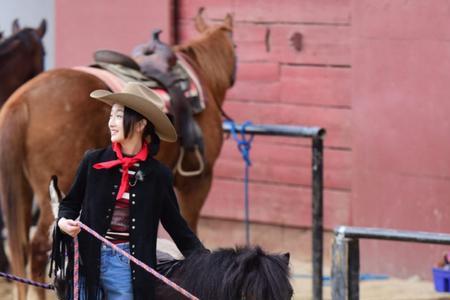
115,275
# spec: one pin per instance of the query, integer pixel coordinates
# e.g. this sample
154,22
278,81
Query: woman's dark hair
130,119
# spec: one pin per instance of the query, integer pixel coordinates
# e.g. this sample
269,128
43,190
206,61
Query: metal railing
317,135
345,260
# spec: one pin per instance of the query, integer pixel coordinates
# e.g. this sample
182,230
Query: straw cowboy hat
144,101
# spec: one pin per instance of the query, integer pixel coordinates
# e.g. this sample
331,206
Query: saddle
157,66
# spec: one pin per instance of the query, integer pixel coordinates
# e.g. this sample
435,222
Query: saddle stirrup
179,167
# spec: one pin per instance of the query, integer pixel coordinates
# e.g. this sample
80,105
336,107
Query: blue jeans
115,275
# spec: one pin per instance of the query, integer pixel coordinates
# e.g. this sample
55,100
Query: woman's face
115,123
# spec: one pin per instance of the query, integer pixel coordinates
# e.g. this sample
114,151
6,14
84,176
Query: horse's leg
18,235
15,191
40,242
192,193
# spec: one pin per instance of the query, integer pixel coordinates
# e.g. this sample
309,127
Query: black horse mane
236,274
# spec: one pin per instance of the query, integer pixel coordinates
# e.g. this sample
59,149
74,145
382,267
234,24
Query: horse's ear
228,21
286,257
15,26
200,23
42,28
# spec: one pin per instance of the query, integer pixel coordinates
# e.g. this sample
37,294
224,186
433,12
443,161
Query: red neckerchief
126,162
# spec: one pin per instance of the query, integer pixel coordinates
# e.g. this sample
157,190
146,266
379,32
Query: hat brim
163,126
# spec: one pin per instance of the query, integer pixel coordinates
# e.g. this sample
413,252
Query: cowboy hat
144,101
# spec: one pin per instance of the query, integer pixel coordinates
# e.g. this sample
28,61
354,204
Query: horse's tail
15,192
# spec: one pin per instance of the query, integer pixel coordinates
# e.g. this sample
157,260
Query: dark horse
21,58
50,121
231,274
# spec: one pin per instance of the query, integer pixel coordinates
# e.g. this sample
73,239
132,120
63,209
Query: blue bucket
441,280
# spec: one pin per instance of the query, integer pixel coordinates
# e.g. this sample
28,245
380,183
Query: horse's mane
214,53
241,273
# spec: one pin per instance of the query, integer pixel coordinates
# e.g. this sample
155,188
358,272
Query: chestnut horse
49,122
21,58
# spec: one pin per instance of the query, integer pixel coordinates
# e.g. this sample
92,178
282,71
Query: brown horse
49,122
21,58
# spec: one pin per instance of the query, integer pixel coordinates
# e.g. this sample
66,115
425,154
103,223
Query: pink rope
133,259
75,268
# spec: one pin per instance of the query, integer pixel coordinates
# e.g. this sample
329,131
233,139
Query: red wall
277,84
400,121
84,26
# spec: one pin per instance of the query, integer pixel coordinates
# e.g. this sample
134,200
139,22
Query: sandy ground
231,234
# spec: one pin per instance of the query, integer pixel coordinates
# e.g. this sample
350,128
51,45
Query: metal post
317,216
345,269
353,269
339,269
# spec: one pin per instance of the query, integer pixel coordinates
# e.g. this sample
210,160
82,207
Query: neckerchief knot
125,162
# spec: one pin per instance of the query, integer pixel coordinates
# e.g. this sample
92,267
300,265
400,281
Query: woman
123,192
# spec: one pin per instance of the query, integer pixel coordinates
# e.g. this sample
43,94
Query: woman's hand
69,227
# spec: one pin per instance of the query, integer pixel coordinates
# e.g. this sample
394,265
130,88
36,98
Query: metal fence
317,135
345,260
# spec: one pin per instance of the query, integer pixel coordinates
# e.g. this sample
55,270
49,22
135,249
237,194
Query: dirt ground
298,245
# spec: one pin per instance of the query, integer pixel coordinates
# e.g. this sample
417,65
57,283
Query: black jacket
151,200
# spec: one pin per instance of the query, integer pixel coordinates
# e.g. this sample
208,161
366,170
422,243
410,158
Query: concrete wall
30,13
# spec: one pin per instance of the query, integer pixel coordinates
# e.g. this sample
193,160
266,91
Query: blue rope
244,144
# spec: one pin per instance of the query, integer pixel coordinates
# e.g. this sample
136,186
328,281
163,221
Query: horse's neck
208,80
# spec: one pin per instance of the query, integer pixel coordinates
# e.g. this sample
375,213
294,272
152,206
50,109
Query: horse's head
246,273
26,44
258,275
35,46
214,52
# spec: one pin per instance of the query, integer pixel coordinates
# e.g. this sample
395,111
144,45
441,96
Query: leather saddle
155,65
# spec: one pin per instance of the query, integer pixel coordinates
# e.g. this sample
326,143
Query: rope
76,266
138,262
76,269
244,145
27,281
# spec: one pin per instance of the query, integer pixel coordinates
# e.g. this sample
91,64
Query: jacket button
133,220
133,195
132,252
115,186
134,277
133,202
133,227
132,246
113,193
